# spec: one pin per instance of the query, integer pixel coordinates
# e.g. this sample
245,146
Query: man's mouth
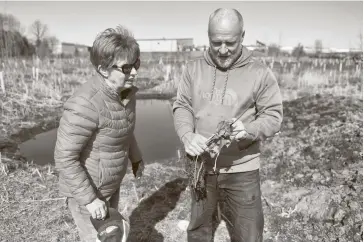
223,57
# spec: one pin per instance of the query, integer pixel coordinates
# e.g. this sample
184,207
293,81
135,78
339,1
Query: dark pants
241,196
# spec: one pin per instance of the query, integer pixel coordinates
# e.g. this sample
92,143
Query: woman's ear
102,71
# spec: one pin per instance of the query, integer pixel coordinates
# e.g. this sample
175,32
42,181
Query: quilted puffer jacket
95,139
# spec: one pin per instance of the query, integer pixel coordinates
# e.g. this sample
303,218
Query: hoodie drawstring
222,102
225,85
213,84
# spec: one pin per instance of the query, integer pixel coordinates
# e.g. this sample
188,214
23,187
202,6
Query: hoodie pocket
244,144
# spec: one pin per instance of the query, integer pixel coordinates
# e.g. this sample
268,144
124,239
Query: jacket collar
130,93
124,97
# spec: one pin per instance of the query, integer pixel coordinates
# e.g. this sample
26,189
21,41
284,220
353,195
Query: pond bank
43,119
154,95
14,134
154,132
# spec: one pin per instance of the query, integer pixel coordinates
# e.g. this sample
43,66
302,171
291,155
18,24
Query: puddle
154,131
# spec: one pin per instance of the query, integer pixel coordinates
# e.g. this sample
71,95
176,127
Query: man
228,84
95,137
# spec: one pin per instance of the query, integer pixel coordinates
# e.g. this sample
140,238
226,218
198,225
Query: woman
96,138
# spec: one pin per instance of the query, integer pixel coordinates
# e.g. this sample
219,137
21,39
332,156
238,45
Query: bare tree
39,30
298,51
318,46
273,50
12,40
9,22
52,42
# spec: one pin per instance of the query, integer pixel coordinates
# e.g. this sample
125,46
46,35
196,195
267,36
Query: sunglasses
126,68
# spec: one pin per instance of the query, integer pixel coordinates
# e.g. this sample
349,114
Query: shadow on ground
153,210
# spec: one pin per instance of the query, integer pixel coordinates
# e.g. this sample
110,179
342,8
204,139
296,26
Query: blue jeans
241,196
81,217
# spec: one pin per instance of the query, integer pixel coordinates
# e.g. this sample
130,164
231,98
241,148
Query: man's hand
238,133
138,169
97,208
195,144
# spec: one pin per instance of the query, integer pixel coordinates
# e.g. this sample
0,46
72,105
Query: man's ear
242,36
102,71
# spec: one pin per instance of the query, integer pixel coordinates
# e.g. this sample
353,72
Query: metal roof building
164,44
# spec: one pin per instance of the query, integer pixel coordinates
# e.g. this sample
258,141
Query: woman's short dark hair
112,45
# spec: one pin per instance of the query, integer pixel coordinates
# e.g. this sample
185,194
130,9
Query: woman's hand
97,208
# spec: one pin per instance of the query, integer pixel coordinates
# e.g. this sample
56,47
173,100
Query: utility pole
279,42
5,29
361,40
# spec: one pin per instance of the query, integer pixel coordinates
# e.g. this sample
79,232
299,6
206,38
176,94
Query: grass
57,79
311,185
33,211
317,158
313,173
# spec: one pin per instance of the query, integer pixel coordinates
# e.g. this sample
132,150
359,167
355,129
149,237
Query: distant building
286,49
165,45
258,47
71,49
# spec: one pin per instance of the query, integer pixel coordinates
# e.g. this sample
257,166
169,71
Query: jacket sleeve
269,110
78,122
134,152
182,108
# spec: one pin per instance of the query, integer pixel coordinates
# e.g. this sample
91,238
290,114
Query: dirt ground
312,183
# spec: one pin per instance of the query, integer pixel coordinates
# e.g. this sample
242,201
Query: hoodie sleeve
182,107
269,109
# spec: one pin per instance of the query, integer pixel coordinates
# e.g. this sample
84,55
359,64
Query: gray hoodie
207,95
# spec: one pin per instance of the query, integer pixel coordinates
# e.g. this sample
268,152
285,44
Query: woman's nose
133,72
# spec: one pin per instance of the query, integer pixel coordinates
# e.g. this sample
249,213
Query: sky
287,23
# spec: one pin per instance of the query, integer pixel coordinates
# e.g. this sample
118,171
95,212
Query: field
312,173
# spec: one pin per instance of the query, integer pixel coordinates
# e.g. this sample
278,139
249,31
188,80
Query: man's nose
223,50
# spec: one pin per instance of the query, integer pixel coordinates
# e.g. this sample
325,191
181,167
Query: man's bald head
226,35
226,18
